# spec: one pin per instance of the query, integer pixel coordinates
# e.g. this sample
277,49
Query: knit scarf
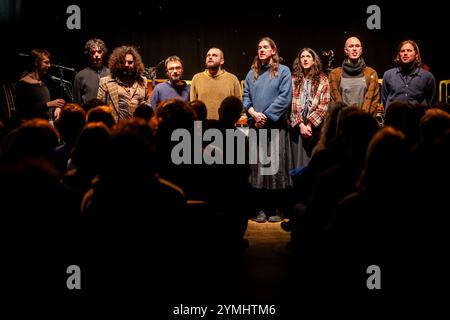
306,99
353,70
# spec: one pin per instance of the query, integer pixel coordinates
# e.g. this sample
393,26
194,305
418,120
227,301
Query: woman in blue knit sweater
267,100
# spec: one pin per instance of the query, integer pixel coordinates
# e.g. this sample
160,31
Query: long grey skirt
300,157
273,176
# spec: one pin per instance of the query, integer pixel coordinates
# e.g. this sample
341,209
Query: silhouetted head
103,114
387,160
199,108
35,138
230,110
72,120
90,145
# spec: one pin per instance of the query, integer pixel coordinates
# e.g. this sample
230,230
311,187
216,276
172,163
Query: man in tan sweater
214,84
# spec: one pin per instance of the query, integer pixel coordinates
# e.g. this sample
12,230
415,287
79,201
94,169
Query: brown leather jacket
371,98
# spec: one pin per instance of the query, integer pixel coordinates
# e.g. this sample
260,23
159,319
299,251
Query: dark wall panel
189,28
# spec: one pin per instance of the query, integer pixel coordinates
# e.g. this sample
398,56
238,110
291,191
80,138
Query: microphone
59,79
151,71
156,67
160,63
62,67
53,64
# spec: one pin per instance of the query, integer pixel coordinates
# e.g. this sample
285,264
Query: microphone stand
330,55
63,67
65,88
151,73
330,61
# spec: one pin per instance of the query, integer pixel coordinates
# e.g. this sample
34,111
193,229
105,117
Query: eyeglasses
174,68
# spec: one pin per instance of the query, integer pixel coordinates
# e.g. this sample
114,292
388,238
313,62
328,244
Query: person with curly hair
310,101
409,82
126,88
86,81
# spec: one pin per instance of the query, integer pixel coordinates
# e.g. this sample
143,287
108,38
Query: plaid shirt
319,104
108,91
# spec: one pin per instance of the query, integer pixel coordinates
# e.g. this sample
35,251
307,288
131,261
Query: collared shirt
417,87
108,91
319,104
128,99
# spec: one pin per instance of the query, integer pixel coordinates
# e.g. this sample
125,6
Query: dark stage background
162,28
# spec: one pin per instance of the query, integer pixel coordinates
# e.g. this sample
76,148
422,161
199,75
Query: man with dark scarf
408,82
356,84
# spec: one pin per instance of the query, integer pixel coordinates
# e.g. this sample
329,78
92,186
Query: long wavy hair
117,61
418,59
274,66
314,73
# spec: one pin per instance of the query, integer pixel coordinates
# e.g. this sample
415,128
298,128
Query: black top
31,99
86,84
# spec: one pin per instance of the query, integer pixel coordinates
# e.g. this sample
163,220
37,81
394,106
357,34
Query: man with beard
126,88
214,84
356,84
174,87
408,82
86,81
